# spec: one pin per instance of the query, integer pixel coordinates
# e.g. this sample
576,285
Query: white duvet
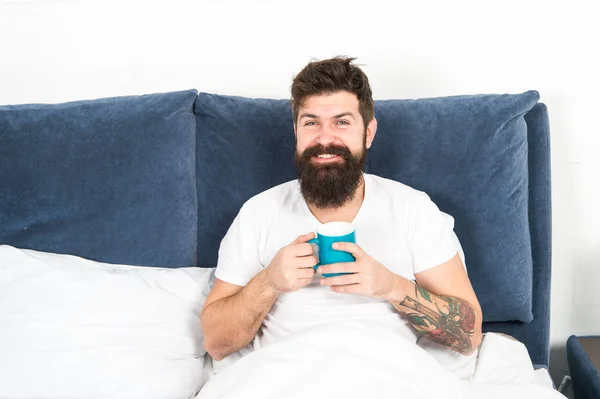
354,360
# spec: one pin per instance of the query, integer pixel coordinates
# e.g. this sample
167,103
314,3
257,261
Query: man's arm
443,306
232,314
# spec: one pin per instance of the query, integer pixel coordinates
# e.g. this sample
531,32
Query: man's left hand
369,277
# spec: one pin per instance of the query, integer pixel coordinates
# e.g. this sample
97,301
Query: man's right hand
292,266
233,314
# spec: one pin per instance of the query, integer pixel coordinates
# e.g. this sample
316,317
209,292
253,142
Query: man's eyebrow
307,115
344,114
338,116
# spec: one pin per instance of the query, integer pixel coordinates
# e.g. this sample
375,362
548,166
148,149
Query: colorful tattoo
447,320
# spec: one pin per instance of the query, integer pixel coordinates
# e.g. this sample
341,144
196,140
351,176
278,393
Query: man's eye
342,123
310,123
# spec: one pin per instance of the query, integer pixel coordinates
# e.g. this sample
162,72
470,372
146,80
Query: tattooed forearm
446,320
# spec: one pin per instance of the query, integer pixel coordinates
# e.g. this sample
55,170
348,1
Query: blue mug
327,235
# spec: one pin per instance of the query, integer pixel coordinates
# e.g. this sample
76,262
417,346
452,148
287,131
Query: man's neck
345,213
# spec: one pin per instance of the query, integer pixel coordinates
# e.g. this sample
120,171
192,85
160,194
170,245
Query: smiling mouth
326,157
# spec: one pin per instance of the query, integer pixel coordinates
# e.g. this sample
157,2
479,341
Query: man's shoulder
397,191
406,199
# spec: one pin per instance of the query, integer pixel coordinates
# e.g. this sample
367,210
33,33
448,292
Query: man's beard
329,185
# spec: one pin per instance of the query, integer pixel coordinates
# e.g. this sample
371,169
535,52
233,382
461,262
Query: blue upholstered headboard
111,180
156,180
536,334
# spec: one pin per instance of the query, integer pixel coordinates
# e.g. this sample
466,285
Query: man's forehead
324,105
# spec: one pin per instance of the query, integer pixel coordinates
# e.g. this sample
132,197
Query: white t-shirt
397,225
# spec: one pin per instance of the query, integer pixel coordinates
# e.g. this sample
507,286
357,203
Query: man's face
331,147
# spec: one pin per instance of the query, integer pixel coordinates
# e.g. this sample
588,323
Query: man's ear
371,130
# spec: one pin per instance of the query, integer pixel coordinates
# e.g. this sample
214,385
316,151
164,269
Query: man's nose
325,137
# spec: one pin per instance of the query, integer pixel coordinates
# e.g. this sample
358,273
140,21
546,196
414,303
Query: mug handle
316,242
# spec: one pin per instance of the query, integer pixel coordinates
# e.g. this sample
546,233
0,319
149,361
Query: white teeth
326,156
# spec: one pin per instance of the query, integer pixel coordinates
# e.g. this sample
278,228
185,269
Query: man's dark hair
331,76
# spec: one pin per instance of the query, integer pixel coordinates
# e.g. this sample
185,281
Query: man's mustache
320,149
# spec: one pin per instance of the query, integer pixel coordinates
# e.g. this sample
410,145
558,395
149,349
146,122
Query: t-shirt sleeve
238,260
433,239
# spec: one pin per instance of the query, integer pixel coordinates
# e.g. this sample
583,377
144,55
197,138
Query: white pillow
75,328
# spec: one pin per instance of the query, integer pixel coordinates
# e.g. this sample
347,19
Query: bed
154,181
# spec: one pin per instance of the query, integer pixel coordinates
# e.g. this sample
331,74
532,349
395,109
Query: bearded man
407,276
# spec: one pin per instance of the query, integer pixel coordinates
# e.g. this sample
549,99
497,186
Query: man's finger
306,261
346,279
354,249
347,289
344,267
305,281
306,273
304,249
303,238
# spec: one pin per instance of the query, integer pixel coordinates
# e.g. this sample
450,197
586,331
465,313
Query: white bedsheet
352,360
543,377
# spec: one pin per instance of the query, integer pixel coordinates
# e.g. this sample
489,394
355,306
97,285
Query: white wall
54,51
